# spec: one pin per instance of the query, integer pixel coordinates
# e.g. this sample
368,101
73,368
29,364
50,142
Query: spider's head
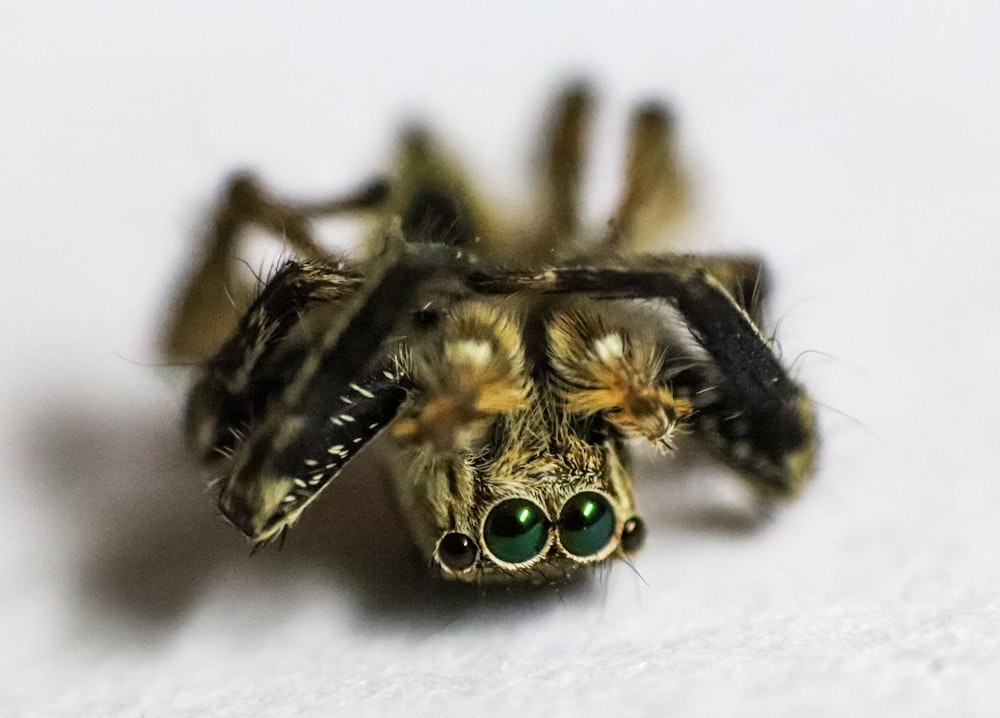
507,516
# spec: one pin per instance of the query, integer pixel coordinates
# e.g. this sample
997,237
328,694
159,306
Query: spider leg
745,278
750,412
562,158
622,363
203,316
656,195
235,386
336,401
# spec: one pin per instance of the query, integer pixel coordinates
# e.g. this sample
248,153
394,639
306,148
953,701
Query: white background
855,144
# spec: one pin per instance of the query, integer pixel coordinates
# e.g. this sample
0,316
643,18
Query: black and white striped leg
335,422
344,391
235,386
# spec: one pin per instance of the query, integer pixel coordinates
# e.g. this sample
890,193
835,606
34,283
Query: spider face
534,502
510,364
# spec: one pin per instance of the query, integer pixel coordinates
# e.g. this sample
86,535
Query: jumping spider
512,363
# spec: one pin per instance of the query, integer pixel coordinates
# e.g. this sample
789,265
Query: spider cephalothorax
512,364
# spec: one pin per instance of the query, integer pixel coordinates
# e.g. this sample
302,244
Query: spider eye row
518,530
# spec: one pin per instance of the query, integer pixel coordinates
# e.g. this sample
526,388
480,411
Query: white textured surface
855,144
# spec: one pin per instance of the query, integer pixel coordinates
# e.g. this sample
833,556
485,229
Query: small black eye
633,535
516,530
586,524
457,551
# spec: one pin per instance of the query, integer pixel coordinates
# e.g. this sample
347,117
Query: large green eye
586,524
516,530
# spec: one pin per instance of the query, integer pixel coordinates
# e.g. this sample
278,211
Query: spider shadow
688,493
152,541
